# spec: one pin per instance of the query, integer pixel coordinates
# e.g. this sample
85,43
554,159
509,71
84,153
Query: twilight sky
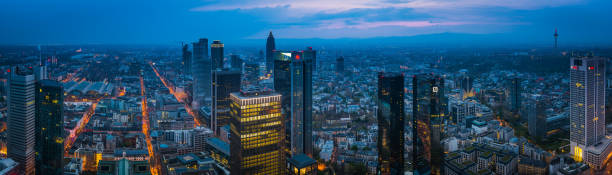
171,21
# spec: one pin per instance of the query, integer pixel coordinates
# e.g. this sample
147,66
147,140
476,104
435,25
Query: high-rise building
21,118
216,54
186,60
391,115
225,81
293,80
556,35
340,65
465,83
588,139
256,139
270,47
49,126
428,123
514,94
251,73
536,116
201,73
236,62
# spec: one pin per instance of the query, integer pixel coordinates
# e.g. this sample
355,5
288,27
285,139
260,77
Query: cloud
360,15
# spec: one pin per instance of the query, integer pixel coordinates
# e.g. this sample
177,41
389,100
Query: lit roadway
76,131
154,160
179,97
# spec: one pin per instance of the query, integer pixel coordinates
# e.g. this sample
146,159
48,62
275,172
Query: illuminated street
154,160
177,96
74,133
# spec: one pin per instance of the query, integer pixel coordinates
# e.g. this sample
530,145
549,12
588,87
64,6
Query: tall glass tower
225,81
293,80
390,115
216,54
201,73
256,140
186,60
428,104
49,127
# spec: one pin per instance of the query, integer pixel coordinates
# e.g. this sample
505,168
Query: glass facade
390,123
225,81
257,132
49,126
428,123
293,79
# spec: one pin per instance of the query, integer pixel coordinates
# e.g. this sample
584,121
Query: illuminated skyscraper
186,60
216,54
201,73
428,123
270,46
390,123
21,118
49,127
225,81
587,110
293,80
257,132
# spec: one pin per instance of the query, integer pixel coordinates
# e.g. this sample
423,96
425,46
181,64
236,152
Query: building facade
21,119
293,80
201,73
216,54
391,115
49,127
257,132
225,81
428,122
587,103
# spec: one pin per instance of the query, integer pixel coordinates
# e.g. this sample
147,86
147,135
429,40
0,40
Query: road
76,131
178,97
154,161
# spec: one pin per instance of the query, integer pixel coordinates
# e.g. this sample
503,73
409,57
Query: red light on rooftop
297,57
8,70
574,67
591,67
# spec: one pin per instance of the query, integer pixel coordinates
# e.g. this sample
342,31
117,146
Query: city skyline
320,87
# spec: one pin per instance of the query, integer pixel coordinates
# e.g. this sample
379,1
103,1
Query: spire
270,35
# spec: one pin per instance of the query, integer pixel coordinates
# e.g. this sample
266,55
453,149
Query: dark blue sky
580,22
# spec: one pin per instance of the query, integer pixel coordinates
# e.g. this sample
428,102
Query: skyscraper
587,110
293,80
391,115
225,81
340,65
186,60
236,62
514,94
49,127
270,46
428,123
256,138
216,54
201,73
21,118
251,73
536,116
